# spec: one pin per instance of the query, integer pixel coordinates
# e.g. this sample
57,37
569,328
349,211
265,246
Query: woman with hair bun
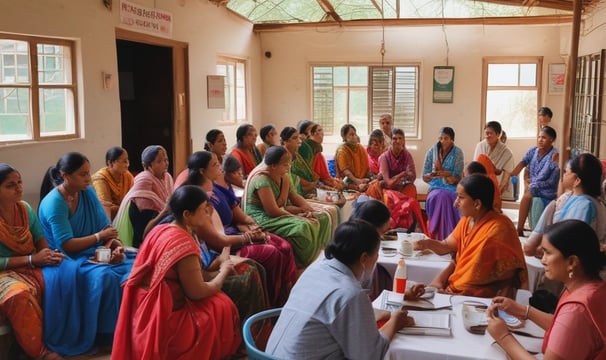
245,149
81,297
442,170
169,309
216,143
489,260
577,329
147,198
328,315
113,182
277,208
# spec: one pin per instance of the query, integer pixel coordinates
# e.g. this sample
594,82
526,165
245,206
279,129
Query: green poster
443,84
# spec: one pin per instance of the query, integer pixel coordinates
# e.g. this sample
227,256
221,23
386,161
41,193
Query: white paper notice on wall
147,20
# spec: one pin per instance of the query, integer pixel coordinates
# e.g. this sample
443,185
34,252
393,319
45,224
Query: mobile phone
509,319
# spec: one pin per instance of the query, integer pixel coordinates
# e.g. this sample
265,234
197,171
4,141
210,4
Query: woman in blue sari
442,170
82,297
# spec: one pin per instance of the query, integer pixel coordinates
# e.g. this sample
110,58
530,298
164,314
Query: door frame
182,142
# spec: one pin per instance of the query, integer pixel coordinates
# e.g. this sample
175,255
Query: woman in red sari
577,329
23,251
168,310
245,150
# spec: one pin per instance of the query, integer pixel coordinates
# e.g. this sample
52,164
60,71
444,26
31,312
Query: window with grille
37,89
587,123
234,71
358,95
511,94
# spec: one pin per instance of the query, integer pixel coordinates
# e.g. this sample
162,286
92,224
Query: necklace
70,198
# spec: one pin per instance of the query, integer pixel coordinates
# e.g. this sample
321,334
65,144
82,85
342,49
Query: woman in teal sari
277,208
81,297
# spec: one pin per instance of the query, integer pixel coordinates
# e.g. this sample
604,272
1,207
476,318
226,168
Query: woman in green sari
271,201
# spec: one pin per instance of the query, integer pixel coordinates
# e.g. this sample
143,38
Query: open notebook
426,322
391,301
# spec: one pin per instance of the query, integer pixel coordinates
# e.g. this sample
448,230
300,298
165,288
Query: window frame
371,121
227,60
34,87
489,60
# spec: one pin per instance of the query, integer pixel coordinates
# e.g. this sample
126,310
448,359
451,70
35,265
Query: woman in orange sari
489,258
245,150
112,182
351,160
169,310
23,251
484,166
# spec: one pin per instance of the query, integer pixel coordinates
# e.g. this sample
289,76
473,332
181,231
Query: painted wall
278,87
208,29
286,87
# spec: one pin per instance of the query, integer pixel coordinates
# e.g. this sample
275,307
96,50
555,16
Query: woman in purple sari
442,171
242,232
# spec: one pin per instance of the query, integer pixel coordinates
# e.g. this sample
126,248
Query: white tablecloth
425,268
462,344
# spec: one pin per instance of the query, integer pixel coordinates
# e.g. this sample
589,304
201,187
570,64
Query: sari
354,158
306,238
275,256
373,162
311,153
490,172
443,216
248,158
81,298
109,191
489,258
391,165
21,289
502,158
331,210
158,321
145,200
578,328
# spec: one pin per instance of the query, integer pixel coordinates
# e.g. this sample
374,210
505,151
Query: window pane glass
14,62
358,110
240,92
358,76
340,110
340,76
56,112
15,114
502,74
528,75
515,110
406,99
323,98
54,64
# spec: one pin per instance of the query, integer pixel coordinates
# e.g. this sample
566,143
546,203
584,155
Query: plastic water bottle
399,279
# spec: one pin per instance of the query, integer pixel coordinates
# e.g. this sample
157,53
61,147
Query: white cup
407,248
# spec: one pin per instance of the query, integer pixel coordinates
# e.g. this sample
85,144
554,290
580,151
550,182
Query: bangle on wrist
97,237
504,336
527,312
29,261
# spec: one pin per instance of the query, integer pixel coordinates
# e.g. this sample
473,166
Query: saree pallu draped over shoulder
306,238
152,326
21,289
489,257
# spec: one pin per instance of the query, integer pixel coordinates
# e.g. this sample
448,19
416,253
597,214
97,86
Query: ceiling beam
566,5
329,10
376,4
527,20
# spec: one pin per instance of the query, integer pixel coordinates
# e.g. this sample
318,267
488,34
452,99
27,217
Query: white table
420,269
425,268
462,344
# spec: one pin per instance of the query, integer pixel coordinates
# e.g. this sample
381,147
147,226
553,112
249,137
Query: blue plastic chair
252,351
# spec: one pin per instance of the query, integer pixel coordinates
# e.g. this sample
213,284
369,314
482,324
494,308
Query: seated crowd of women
191,249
